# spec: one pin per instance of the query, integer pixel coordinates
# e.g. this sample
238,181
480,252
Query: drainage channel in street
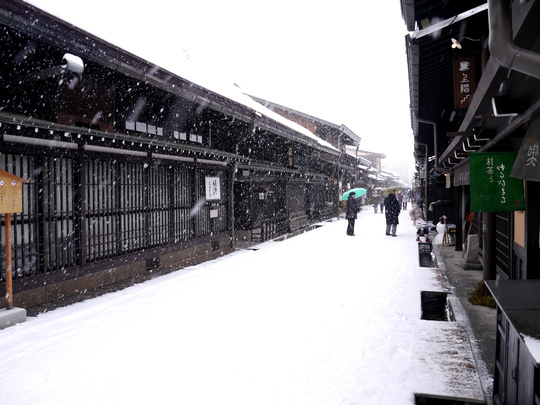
424,254
435,306
436,400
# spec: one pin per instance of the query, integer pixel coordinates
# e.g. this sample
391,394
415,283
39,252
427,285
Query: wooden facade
490,106
131,167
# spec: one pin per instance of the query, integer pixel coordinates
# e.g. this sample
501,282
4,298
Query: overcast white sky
342,61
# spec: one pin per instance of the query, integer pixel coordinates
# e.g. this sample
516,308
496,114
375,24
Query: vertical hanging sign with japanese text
464,81
492,188
527,165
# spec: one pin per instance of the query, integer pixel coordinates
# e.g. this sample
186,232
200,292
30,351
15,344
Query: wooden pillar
532,230
9,277
489,270
458,213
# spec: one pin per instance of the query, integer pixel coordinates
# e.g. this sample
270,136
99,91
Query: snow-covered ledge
11,317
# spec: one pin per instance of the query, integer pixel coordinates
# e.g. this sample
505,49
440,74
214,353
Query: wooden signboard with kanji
10,203
10,193
464,81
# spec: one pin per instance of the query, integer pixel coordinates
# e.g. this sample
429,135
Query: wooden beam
454,134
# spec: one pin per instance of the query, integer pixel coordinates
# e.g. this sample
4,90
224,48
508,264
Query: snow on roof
322,121
364,161
390,173
175,62
249,102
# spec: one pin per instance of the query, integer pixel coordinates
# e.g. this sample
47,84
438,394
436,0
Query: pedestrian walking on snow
376,201
405,199
352,210
393,209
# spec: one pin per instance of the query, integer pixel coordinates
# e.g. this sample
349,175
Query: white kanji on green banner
492,188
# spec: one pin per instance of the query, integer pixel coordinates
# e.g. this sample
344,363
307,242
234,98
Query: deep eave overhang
480,124
433,29
57,32
482,120
415,42
76,138
429,58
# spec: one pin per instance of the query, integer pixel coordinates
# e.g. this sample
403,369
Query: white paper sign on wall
213,191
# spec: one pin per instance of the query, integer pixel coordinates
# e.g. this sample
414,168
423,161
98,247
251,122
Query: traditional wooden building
132,167
309,200
474,75
339,136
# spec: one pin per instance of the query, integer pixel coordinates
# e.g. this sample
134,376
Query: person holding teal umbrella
358,192
352,210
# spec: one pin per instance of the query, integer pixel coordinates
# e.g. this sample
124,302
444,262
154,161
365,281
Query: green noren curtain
492,188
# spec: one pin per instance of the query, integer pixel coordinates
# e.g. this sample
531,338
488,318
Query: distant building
339,136
373,157
402,169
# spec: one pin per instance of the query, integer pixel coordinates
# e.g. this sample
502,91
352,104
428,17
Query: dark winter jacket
352,207
392,208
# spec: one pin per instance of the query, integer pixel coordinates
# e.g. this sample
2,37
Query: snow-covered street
321,318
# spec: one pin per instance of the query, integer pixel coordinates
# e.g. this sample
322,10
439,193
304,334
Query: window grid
101,210
93,210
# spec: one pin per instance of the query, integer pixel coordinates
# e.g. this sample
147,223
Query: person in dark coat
393,209
352,209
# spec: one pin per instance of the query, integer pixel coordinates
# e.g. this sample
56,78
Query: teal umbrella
357,191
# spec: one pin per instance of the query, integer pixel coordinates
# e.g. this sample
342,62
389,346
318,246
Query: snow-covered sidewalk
321,318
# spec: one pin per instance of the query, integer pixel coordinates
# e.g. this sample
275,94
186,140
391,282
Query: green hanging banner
492,188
